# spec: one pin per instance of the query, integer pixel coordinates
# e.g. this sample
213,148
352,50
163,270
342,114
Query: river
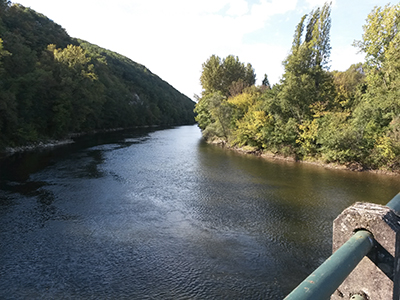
160,214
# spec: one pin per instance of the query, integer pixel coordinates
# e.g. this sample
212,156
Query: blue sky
173,38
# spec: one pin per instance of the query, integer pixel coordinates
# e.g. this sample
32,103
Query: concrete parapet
377,276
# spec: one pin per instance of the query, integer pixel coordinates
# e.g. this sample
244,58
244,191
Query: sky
174,38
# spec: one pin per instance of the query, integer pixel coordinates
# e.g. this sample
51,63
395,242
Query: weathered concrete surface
377,276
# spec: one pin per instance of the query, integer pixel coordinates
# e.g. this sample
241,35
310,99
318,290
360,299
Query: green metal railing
394,204
323,282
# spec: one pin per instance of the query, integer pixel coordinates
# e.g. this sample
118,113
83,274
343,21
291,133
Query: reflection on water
162,215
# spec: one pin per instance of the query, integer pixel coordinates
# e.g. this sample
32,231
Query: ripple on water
161,215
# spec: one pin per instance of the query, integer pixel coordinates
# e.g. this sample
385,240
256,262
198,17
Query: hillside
52,85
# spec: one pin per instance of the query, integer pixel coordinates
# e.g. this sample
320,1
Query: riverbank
45,144
352,166
69,139
36,146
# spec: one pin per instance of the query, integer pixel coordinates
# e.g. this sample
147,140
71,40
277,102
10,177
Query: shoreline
36,146
351,167
51,143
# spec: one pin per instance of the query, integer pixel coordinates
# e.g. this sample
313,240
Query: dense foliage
350,117
228,76
52,85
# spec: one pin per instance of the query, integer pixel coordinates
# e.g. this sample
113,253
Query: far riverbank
351,166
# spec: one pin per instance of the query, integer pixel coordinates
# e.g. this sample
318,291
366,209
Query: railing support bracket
378,274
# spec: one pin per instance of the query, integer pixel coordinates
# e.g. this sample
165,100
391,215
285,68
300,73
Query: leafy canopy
219,75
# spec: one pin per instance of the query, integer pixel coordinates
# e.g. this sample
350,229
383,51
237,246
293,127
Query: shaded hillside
52,85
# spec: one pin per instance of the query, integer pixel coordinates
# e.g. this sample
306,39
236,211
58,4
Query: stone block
377,276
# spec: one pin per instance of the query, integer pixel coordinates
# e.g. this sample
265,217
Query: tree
376,117
2,51
221,79
380,43
381,35
349,85
203,115
219,75
237,87
214,116
4,4
75,59
211,76
250,76
265,81
306,79
8,110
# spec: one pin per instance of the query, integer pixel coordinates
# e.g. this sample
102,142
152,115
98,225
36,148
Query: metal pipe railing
323,282
394,204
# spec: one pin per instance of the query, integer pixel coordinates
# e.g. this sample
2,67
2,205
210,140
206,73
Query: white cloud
238,8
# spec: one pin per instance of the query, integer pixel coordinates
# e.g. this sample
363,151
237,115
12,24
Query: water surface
159,214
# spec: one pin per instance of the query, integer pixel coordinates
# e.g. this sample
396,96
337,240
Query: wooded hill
52,85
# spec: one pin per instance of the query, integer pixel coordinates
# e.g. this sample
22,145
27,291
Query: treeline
52,85
350,117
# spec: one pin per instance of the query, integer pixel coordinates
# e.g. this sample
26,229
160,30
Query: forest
52,85
350,118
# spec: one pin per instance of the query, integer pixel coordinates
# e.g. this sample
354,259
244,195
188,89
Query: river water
159,214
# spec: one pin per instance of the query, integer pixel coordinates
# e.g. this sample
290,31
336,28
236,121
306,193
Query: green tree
338,139
349,85
306,79
377,114
219,75
75,59
8,109
78,99
211,75
2,51
203,116
214,116
249,119
220,80
380,43
265,81
249,75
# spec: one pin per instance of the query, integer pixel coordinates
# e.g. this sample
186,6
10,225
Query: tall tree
211,75
306,79
381,43
377,117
